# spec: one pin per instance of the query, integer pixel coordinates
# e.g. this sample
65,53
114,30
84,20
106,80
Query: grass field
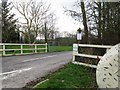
72,76
50,49
59,48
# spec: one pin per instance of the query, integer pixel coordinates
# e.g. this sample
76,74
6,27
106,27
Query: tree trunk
99,22
84,21
103,23
46,41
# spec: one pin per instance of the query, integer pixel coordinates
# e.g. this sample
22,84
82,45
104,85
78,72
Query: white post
107,50
73,58
35,48
46,47
75,50
3,49
21,49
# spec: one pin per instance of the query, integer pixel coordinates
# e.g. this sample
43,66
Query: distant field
71,76
50,49
59,48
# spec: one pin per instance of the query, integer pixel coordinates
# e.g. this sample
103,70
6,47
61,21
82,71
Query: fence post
75,51
107,50
73,58
45,47
21,49
3,49
35,48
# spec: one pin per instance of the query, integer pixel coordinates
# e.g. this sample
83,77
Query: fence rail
75,53
21,49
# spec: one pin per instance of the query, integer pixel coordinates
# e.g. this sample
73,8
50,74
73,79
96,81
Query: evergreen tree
9,31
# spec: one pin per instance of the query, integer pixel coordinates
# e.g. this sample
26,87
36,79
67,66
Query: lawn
59,48
71,76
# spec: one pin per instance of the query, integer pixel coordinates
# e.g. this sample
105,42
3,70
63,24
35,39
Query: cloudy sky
64,22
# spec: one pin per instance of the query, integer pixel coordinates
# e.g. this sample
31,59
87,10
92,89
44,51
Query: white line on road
13,73
26,69
38,58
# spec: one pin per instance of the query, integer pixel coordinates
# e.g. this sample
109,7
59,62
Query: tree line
100,19
35,19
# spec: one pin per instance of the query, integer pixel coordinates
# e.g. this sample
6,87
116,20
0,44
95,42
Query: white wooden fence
75,53
21,49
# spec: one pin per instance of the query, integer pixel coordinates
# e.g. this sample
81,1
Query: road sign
75,47
79,36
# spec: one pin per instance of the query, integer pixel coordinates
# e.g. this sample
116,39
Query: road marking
40,83
38,58
13,73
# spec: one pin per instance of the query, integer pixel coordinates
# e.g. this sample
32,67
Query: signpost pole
75,50
79,37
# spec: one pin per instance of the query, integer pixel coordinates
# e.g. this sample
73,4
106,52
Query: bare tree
49,27
80,15
33,14
52,25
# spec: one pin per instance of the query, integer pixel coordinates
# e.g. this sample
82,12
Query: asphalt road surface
19,70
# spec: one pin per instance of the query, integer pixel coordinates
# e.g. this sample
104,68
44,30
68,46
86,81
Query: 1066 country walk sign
75,47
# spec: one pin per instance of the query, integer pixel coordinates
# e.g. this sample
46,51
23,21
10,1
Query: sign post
79,37
75,48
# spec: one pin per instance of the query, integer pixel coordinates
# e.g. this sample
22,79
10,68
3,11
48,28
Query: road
19,70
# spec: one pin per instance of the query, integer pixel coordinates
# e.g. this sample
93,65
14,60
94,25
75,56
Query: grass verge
72,76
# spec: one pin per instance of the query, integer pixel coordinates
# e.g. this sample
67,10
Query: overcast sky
64,22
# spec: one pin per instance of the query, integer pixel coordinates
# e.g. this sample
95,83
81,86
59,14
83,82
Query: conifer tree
9,31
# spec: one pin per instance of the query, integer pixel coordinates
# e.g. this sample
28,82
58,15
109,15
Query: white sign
79,36
75,47
107,72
